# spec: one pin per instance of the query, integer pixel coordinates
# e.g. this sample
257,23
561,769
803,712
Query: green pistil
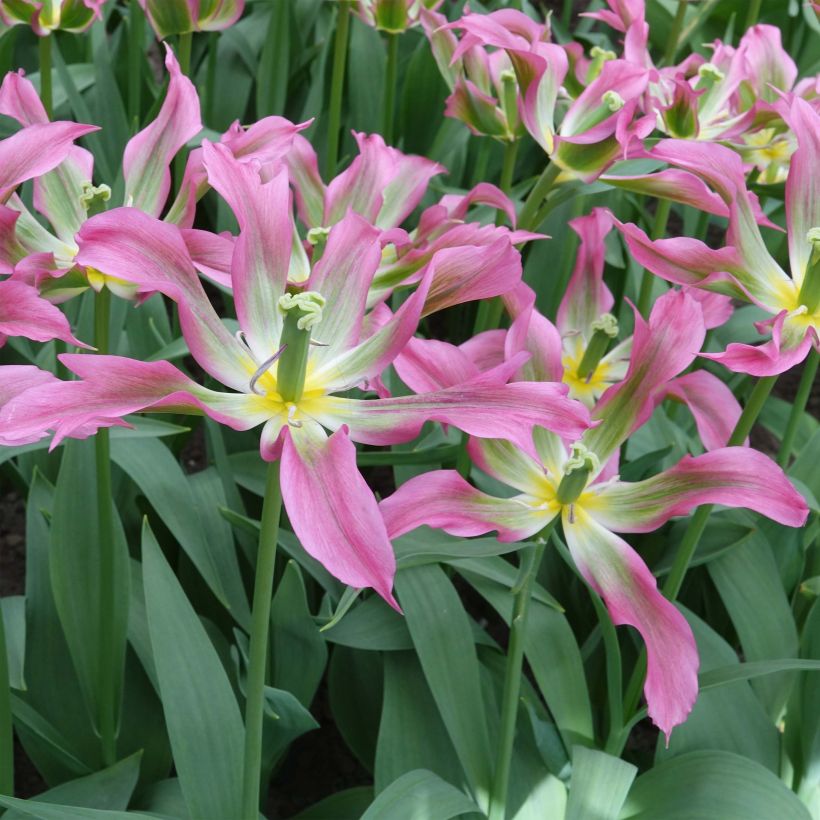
708,75
509,100
599,57
613,101
302,311
810,289
94,197
580,465
605,330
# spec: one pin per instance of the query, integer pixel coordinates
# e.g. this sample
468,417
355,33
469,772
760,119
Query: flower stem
337,86
46,93
674,35
260,625
6,726
482,158
107,717
210,76
696,526
136,31
798,407
508,166
389,98
512,677
526,219
658,229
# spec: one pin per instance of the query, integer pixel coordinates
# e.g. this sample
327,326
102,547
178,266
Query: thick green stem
798,407
260,625
695,528
107,716
46,93
482,159
508,166
526,219
658,230
753,12
136,40
512,681
6,726
390,78
674,35
337,83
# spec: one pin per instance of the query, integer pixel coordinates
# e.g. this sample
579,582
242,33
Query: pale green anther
710,72
94,197
599,57
509,100
605,329
810,289
318,236
577,470
613,101
302,312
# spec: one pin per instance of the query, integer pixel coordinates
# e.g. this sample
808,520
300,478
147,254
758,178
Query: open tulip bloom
578,484
744,268
300,343
45,16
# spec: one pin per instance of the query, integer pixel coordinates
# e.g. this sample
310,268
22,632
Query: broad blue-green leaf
711,786
419,795
599,785
76,559
46,811
273,70
443,640
14,628
349,804
371,625
285,720
204,723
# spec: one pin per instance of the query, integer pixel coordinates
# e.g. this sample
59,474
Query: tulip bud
169,17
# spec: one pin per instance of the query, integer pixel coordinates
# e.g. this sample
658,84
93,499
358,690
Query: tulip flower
45,16
301,342
169,17
744,268
393,16
594,504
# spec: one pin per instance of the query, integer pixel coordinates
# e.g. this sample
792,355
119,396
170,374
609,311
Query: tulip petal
731,476
17,378
443,499
503,460
23,312
211,254
427,365
631,595
332,510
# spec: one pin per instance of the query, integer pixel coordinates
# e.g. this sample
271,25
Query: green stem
390,76
798,407
337,82
107,717
482,159
658,229
753,13
257,663
46,92
512,680
210,76
538,194
695,528
508,166
674,35
6,725
136,32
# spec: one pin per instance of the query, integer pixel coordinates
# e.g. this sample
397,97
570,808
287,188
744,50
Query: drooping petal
533,332
308,188
211,254
17,378
262,252
133,246
23,312
111,387
148,155
332,510
711,402
443,499
503,460
35,150
631,595
731,476
661,349
426,365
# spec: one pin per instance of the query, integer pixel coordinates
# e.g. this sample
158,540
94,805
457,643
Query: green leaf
272,74
443,639
599,785
804,467
46,811
185,509
204,723
711,786
372,625
349,804
75,564
746,671
419,795
365,77
285,720
426,546
14,624
109,789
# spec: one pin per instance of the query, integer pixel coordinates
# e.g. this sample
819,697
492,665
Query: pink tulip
45,16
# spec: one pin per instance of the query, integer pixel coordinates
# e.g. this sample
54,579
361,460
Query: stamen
292,422
262,369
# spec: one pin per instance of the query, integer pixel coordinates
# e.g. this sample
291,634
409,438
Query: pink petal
731,476
769,359
147,156
427,365
17,378
332,510
23,312
443,499
308,187
534,333
631,595
211,254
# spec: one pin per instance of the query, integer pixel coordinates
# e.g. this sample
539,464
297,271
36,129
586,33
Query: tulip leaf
13,624
599,785
46,811
419,795
349,804
203,718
